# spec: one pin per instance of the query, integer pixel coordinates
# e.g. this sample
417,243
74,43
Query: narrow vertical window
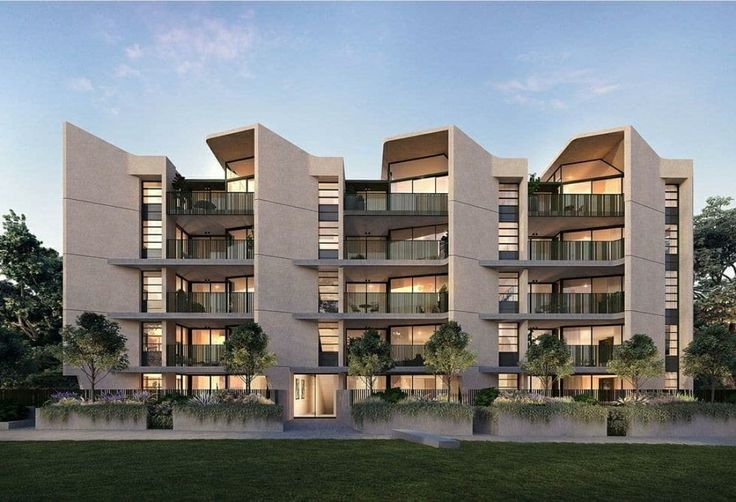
508,221
151,230
328,291
672,285
152,291
328,343
329,238
508,344
508,292
151,343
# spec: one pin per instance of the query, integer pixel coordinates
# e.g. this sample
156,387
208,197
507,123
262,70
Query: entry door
313,396
605,389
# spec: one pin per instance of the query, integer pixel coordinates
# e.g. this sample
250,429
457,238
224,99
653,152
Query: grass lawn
362,470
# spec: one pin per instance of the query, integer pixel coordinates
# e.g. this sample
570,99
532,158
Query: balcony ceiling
233,145
596,146
413,146
379,225
549,226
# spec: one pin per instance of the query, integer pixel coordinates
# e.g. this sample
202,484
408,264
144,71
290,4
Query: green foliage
711,356
548,358
616,424
534,183
231,411
96,411
578,412
369,355
585,398
30,290
674,412
246,352
95,346
446,353
392,395
378,410
485,397
10,410
636,360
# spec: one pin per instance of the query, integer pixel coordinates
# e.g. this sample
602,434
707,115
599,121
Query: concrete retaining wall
422,423
186,422
700,426
508,425
76,421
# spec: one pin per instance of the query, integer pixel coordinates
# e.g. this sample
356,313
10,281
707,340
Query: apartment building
599,248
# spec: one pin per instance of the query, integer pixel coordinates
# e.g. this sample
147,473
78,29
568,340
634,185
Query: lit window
508,381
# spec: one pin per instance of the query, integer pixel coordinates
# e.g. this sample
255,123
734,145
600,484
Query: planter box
187,422
422,423
700,426
510,425
75,421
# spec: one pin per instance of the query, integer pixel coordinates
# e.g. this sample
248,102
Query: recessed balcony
576,250
378,249
576,303
408,355
591,355
209,203
210,303
580,205
210,249
428,204
401,303
194,355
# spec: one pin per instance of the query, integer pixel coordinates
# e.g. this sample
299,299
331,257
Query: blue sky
338,78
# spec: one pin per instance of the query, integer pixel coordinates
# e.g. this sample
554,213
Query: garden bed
380,417
251,416
685,420
558,419
95,416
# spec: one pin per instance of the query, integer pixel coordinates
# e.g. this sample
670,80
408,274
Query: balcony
576,303
374,249
209,203
194,355
408,355
210,303
576,250
591,355
420,204
209,249
151,355
552,204
401,303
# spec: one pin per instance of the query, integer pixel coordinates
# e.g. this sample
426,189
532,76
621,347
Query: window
329,239
508,381
430,184
152,291
508,202
508,292
670,289
671,340
508,337
671,239
328,290
508,240
329,233
151,343
152,192
329,344
670,380
412,335
151,230
152,381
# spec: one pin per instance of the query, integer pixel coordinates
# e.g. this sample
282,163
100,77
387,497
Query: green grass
362,470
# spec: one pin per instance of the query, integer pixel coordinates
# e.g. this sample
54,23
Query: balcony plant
636,360
548,358
369,355
446,353
246,353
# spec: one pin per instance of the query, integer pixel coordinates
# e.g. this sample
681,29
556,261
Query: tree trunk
449,388
92,379
247,383
712,390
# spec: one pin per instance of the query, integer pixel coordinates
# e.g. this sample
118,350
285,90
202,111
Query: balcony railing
400,203
571,204
402,303
210,303
576,250
151,355
210,203
576,303
210,249
408,355
591,355
194,355
373,249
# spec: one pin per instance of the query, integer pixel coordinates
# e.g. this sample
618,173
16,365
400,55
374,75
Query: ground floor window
313,396
152,381
508,381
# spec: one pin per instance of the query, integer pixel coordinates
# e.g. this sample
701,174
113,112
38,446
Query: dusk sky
336,79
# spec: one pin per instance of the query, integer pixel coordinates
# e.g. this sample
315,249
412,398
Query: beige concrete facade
439,187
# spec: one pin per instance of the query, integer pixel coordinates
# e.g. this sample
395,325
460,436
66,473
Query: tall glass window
329,238
151,230
328,290
672,285
508,292
152,291
151,343
508,221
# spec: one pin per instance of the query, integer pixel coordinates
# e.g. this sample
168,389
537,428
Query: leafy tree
446,353
636,360
548,358
368,355
95,346
714,242
31,291
246,353
711,356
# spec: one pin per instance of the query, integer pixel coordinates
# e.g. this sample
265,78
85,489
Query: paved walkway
306,433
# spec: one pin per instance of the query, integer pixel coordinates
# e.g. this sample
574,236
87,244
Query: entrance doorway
314,396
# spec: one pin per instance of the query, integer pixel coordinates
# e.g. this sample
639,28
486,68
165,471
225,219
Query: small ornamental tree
446,353
246,353
368,355
711,357
548,358
95,346
636,360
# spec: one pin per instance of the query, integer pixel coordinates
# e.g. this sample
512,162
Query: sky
338,78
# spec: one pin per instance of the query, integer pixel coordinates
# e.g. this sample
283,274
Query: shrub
10,410
616,424
731,399
485,397
544,411
378,410
585,398
675,412
242,411
100,410
393,395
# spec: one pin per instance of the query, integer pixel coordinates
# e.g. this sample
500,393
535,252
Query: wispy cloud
125,71
80,84
134,52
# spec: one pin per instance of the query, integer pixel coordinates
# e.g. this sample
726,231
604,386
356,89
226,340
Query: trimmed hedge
96,411
232,411
382,411
579,412
674,412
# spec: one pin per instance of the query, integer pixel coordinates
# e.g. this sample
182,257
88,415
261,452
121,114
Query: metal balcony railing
401,203
194,355
210,249
591,355
209,203
576,250
569,204
408,355
576,303
373,249
211,303
402,303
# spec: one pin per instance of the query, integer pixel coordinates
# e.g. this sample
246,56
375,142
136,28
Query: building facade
595,250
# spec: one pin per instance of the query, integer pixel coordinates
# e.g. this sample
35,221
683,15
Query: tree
246,353
31,291
368,355
636,360
548,358
95,346
446,354
711,356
